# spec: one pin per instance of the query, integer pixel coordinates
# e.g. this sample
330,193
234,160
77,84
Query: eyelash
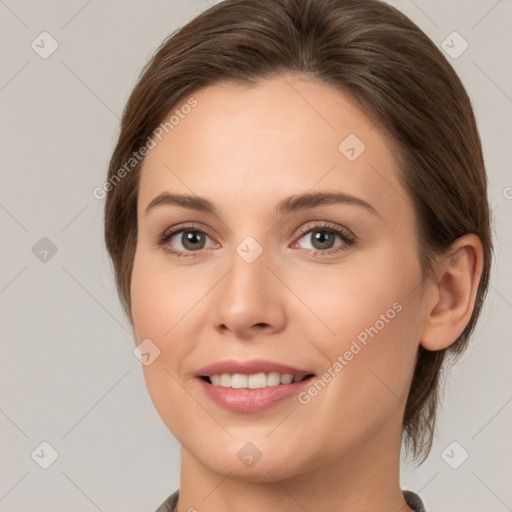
347,238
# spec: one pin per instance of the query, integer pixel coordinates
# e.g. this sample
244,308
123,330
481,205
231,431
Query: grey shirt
411,498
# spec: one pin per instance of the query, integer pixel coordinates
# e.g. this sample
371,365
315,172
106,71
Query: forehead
254,145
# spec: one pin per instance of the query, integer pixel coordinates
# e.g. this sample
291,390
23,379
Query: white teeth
254,381
273,379
257,380
286,378
238,380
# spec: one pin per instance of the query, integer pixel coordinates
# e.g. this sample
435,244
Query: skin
245,149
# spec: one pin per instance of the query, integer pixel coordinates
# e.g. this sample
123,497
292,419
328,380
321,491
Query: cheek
158,304
354,295
160,298
373,314
165,306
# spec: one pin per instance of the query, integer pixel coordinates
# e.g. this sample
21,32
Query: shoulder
169,504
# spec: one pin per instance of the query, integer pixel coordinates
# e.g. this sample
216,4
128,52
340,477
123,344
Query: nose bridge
250,292
249,276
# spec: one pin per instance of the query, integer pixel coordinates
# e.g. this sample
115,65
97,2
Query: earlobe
453,293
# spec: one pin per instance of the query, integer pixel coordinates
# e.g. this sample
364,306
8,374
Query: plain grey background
68,374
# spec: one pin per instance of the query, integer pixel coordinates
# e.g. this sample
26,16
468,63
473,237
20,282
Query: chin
244,461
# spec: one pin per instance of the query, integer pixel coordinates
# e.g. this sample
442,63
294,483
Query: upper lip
253,366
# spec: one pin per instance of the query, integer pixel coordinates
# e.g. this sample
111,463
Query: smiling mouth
254,381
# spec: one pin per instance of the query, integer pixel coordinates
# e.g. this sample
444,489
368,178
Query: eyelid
319,224
187,226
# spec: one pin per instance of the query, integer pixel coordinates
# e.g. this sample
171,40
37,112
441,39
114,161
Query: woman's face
332,289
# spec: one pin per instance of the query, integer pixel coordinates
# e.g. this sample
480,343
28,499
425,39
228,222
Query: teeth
254,381
236,381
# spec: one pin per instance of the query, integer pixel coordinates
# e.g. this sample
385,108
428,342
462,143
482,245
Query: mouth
251,386
255,380
252,374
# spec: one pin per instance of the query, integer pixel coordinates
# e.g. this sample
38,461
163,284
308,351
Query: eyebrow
287,205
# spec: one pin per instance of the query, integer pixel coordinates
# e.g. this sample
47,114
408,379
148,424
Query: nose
250,299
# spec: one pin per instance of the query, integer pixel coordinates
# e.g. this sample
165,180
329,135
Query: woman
298,220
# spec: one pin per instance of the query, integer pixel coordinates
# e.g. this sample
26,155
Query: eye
322,238
184,241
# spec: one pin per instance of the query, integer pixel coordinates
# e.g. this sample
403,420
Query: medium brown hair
395,74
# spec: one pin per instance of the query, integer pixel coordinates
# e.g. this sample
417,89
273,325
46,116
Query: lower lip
251,400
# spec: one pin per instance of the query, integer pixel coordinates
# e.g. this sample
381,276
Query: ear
451,293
